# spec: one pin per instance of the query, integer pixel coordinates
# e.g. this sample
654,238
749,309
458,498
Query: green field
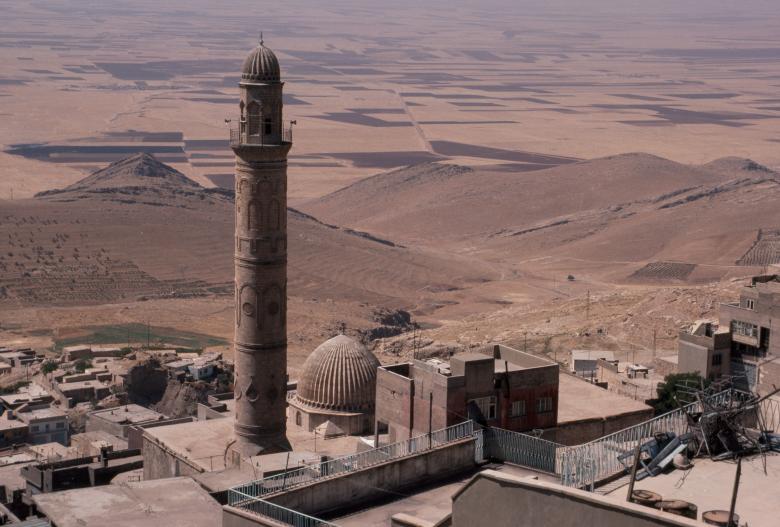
139,335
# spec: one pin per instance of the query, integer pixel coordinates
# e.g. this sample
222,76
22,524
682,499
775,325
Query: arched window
268,124
298,419
253,118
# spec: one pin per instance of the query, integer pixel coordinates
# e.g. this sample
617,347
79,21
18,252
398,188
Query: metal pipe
637,452
732,523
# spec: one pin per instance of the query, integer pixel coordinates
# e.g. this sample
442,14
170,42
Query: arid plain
579,179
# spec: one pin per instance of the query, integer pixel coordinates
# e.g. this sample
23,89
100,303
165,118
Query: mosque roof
340,375
261,65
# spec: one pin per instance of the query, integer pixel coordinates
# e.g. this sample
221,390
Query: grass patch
139,335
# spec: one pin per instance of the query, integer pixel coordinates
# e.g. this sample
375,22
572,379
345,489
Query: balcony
246,133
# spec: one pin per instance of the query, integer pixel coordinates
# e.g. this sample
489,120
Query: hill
140,229
136,179
628,209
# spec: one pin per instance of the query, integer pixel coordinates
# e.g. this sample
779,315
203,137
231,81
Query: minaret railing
239,135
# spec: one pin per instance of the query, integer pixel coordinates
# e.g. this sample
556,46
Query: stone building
261,142
500,387
741,343
337,388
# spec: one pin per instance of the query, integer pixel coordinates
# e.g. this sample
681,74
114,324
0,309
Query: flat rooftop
174,502
41,413
128,413
592,354
709,484
204,443
579,400
80,385
26,393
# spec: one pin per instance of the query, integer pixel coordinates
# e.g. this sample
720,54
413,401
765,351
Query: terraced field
765,251
663,271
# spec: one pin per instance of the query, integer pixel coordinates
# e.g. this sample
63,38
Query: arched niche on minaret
247,307
254,116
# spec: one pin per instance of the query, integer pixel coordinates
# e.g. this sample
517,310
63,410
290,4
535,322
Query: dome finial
261,38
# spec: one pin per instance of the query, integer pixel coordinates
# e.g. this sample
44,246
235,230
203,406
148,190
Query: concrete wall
768,376
394,401
509,498
664,367
161,463
578,432
97,424
695,354
360,487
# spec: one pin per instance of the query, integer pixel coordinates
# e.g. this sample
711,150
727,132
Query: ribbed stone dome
261,65
340,375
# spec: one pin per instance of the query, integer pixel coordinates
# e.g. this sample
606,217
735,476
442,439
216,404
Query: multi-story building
499,386
45,425
34,425
742,340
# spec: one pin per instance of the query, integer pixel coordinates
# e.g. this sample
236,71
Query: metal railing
583,465
351,463
520,449
279,513
244,134
770,414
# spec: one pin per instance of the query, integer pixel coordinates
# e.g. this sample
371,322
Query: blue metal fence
521,449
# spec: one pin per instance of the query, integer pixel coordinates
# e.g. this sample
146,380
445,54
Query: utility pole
587,306
430,419
525,342
655,338
148,333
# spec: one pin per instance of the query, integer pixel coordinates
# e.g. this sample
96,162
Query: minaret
261,142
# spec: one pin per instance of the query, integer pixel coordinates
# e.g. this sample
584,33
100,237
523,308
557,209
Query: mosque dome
340,375
261,65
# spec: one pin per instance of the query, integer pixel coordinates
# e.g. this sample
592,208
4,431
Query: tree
675,390
82,364
48,367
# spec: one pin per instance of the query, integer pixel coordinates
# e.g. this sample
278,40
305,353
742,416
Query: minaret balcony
245,135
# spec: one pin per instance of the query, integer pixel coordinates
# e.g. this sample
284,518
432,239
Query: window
268,127
717,359
486,405
544,405
60,425
34,428
518,408
750,303
745,329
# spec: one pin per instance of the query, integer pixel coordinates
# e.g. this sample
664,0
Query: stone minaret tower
261,142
